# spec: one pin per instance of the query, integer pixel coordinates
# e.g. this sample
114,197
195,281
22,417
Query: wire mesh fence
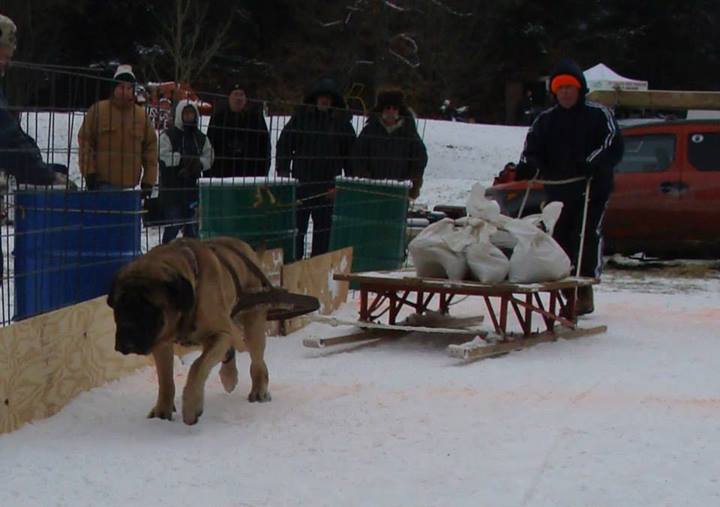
142,166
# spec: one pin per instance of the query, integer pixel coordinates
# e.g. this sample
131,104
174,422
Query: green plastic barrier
370,216
258,211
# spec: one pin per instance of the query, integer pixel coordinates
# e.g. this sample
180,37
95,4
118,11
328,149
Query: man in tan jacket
118,145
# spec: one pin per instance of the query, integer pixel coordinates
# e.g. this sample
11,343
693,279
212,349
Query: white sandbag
487,263
439,251
537,257
479,206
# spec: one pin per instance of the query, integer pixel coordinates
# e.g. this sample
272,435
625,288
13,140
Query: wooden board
476,350
379,331
358,336
47,360
332,321
657,99
408,280
316,277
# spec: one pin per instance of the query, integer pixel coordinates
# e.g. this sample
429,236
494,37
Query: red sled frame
387,292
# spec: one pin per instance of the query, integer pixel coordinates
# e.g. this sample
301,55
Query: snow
628,417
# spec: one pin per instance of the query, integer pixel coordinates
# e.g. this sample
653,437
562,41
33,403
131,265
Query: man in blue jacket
575,139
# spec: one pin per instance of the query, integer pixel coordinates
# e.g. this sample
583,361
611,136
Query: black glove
145,190
91,181
586,169
190,168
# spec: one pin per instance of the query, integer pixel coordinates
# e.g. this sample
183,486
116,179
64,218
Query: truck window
647,153
704,151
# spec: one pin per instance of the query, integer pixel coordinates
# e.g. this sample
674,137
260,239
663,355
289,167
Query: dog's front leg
165,405
193,395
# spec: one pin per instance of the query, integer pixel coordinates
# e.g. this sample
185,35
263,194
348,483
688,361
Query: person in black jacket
314,147
184,153
239,135
19,153
389,147
575,139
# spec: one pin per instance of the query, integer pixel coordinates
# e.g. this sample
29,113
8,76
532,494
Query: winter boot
584,303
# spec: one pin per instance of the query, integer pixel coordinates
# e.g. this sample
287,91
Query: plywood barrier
47,360
314,276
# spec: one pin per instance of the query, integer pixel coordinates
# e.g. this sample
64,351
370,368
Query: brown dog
195,292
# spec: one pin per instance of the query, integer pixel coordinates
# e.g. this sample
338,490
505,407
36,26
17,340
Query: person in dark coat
314,147
19,153
575,138
239,135
389,147
185,153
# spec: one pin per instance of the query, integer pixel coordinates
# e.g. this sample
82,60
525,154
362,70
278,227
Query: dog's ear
181,293
113,290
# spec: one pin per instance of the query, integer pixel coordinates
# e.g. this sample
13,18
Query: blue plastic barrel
68,245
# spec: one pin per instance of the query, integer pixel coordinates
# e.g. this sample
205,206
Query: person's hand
145,190
330,196
190,168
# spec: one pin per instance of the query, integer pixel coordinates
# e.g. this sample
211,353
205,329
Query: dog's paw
162,413
191,417
259,396
229,378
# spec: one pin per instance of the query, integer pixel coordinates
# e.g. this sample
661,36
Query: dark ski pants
567,230
179,214
321,209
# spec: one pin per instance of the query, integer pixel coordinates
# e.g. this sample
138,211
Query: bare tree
185,42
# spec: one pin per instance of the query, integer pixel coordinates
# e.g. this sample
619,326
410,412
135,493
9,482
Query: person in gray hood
185,153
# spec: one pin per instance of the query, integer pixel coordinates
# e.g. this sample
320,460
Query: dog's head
148,306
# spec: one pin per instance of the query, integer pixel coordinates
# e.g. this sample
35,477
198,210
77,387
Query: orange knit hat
564,80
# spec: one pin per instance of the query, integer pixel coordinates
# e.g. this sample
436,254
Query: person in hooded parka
572,141
314,147
185,152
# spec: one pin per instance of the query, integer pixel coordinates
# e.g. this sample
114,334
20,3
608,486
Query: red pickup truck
666,201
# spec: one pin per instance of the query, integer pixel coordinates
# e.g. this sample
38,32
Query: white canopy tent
602,77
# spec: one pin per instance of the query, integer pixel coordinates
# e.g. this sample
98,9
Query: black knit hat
387,98
245,86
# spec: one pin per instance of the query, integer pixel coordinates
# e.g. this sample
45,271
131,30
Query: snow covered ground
629,417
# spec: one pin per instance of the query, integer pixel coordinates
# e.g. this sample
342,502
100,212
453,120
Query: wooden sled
526,305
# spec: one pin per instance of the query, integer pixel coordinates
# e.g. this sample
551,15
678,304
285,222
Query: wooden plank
394,327
315,277
47,360
397,280
657,99
475,350
360,336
